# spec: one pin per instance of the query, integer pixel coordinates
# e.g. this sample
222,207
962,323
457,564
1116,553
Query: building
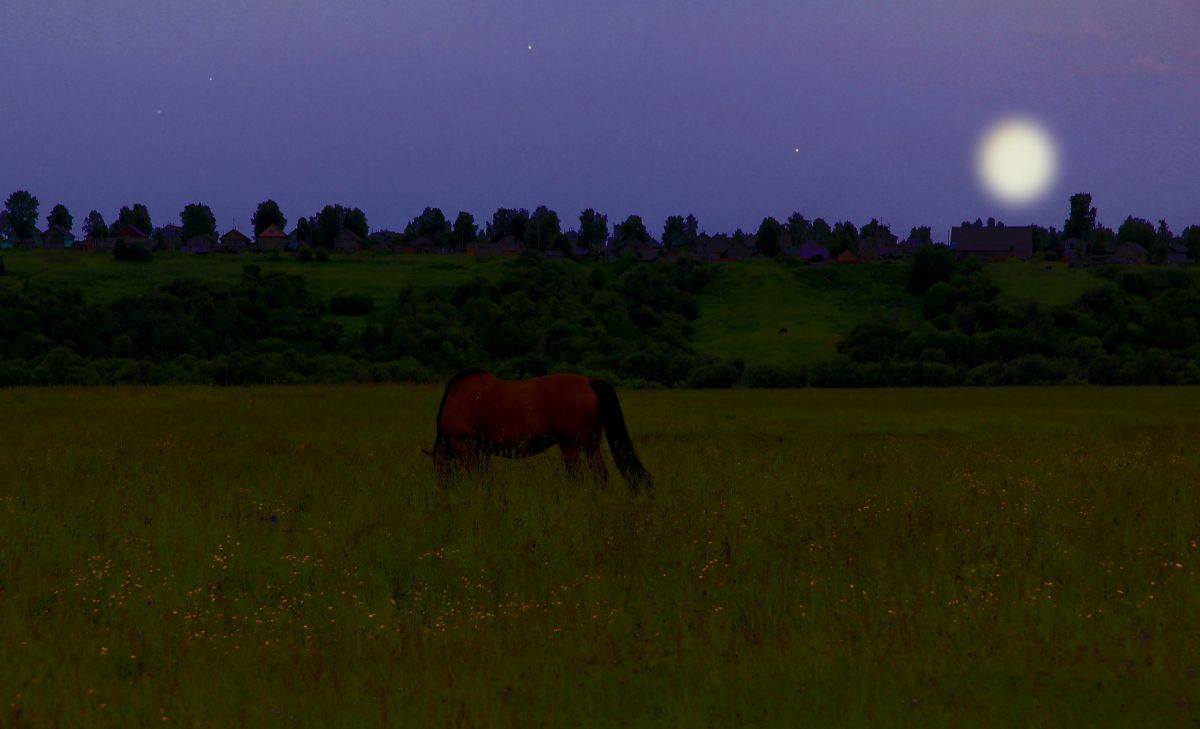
271,239
347,241
172,237
997,243
56,236
202,244
1129,254
234,241
847,257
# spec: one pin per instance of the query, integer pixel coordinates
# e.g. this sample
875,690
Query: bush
931,265
1,266
123,251
719,375
351,305
306,254
322,255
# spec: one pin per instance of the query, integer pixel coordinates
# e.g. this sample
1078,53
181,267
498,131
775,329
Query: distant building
1129,254
992,244
234,241
57,236
846,257
347,241
172,237
202,244
272,239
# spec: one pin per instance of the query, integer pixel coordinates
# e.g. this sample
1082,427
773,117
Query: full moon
1016,161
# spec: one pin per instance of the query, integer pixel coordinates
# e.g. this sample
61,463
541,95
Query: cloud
1158,67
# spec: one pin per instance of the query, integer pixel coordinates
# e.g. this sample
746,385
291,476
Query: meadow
281,556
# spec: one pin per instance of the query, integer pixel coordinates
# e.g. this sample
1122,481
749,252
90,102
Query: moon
1017,161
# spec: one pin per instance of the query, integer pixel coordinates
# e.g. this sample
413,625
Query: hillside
741,312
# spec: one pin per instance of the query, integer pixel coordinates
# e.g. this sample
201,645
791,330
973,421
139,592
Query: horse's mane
460,375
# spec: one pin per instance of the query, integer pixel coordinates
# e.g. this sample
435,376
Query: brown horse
482,415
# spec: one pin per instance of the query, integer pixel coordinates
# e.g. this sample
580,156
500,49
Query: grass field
280,557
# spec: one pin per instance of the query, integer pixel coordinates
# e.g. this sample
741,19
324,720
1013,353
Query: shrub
306,254
351,305
123,251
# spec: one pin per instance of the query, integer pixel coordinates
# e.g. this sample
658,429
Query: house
347,241
992,244
172,237
812,252
847,257
1177,254
234,241
1129,254
271,239
421,244
57,236
201,244
97,244
739,249
383,240
710,247
1072,248
481,249
510,246
131,234
639,249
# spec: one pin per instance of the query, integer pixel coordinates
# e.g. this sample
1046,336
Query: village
988,243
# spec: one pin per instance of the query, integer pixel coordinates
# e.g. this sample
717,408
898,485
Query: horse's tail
441,444
632,470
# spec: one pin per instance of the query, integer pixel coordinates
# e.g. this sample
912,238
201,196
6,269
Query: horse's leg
595,458
571,460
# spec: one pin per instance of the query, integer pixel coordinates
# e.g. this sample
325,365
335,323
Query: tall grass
280,556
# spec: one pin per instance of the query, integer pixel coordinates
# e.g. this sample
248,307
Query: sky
734,110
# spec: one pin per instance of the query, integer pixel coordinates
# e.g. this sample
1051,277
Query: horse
482,415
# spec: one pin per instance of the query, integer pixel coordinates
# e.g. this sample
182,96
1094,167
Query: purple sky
647,106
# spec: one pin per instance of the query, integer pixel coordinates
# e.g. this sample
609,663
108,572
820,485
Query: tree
1047,240
874,229
356,223
798,228
674,231
21,213
431,223
465,230
820,231
931,265
1081,221
593,230
266,215
197,220
1164,232
304,231
770,233
508,221
691,231
93,225
327,225
844,237
633,228
137,216
1137,230
1191,240
544,229
921,234
60,216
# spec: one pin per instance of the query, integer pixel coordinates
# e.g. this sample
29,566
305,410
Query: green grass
280,556
1049,284
746,305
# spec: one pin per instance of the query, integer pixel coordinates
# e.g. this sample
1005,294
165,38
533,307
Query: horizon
664,110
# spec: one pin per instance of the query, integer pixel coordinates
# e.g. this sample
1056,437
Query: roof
234,234
128,231
1015,241
272,231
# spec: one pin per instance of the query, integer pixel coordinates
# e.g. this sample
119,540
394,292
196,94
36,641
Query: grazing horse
482,415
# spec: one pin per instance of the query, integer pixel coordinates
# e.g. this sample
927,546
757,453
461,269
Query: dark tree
921,234
820,232
197,219
1047,240
931,265
465,230
356,223
633,228
770,234
431,223
593,230
60,216
843,238
674,231
304,231
544,229
1082,219
267,214
327,225
21,213
1137,230
691,231
874,229
1102,240
1191,239
137,216
798,228
1164,232
94,226
508,221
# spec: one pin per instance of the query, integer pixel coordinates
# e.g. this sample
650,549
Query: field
281,556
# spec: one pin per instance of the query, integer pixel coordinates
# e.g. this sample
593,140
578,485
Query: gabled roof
272,231
234,235
128,231
1010,240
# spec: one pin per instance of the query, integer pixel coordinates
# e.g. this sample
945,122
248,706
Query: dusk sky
653,107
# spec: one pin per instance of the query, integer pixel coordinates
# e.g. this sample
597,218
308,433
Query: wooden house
57,236
992,244
271,239
347,241
234,241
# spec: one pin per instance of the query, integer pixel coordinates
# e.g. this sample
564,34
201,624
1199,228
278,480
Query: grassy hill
742,311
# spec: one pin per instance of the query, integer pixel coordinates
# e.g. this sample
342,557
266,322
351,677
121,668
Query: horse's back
554,406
